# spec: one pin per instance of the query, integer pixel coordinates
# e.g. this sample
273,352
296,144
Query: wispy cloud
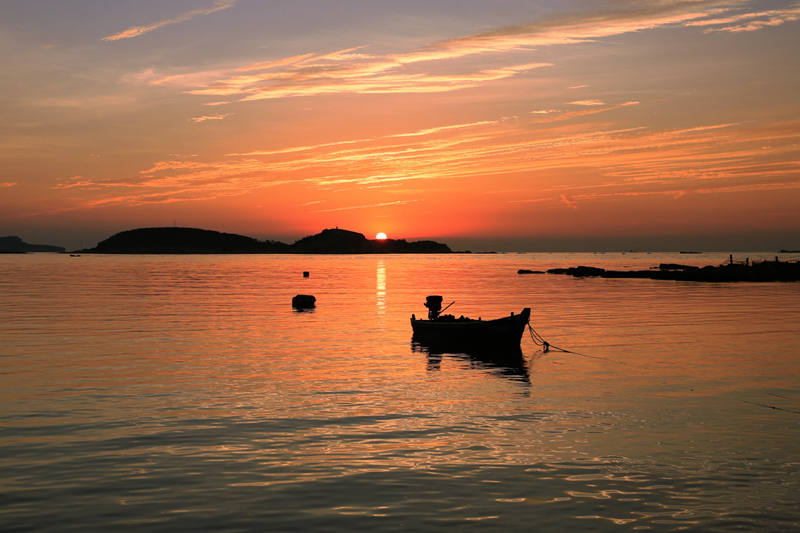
749,21
567,202
591,107
76,182
322,77
587,102
542,160
7,184
354,70
580,27
203,118
135,31
367,206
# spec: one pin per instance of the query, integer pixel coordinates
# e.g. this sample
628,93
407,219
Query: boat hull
471,334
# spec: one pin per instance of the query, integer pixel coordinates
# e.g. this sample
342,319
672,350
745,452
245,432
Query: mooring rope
538,340
795,411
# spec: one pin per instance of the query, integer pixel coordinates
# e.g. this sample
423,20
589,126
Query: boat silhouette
450,333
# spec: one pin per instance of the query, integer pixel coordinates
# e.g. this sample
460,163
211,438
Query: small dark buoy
303,301
305,273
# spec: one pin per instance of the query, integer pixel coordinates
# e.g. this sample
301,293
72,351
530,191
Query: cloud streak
751,21
366,206
136,31
546,164
324,78
353,70
204,118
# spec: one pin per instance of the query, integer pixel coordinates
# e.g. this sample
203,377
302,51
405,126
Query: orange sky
584,125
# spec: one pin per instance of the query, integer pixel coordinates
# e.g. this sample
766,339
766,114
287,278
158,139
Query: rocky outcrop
762,271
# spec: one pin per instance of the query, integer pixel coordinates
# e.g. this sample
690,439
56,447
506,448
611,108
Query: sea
184,393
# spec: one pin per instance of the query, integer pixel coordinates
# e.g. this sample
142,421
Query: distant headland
748,271
15,245
174,240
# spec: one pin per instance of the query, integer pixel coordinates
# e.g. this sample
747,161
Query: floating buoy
303,301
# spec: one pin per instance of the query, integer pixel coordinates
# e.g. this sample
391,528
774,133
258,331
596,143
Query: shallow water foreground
183,392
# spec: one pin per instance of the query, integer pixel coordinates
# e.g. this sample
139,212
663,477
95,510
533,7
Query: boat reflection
505,361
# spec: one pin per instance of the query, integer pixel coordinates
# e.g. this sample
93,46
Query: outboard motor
434,305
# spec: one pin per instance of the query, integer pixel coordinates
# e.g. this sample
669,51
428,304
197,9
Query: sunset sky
505,124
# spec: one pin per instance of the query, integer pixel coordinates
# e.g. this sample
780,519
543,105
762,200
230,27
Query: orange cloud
566,201
553,115
352,71
587,102
576,28
203,118
363,79
368,206
136,31
622,163
750,21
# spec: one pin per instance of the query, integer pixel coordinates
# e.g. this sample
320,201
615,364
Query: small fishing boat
448,331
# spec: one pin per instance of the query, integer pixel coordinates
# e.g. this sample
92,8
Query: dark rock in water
304,301
15,245
579,271
763,271
676,266
526,271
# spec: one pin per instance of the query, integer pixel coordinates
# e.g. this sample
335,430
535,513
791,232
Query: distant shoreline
762,271
15,245
175,240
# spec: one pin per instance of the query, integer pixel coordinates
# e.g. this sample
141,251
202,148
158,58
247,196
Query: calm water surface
183,392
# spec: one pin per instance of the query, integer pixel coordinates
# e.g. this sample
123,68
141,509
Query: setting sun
380,236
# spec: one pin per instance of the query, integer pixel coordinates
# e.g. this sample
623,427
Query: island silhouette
15,245
176,240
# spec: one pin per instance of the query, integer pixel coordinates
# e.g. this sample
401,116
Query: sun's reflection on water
380,287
